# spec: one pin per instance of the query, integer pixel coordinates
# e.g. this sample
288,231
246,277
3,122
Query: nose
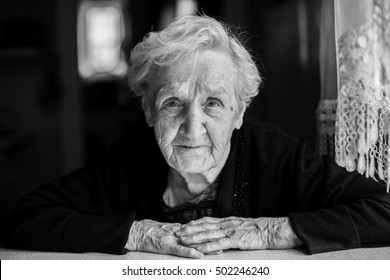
193,125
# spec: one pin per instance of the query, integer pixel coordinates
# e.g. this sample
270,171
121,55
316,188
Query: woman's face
195,111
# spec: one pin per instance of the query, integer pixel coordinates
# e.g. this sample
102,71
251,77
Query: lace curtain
362,122
326,110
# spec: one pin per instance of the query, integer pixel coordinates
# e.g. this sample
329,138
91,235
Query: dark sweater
266,175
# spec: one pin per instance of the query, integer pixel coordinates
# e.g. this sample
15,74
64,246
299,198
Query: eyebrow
163,90
218,89
165,85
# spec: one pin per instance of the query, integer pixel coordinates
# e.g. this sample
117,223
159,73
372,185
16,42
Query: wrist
131,244
281,234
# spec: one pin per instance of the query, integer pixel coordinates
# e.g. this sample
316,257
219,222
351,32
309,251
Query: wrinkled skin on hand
216,234
210,235
156,237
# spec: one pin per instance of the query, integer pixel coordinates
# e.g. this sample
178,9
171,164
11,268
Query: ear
146,105
149,122
239,120
148,116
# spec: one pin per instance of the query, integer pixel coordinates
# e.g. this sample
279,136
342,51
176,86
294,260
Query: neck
193,184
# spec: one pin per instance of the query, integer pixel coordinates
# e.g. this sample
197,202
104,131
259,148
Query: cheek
220,130
165,130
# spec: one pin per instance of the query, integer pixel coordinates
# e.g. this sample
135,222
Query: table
377,253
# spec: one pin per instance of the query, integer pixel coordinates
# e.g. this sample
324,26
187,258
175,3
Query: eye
214,103
172,102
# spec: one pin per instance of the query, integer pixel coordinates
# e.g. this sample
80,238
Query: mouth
192,151
189,147
192,147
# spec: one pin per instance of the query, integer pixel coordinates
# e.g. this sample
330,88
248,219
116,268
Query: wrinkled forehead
207,68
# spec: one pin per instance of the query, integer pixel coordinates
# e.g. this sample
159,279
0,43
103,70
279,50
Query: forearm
53,228
344,226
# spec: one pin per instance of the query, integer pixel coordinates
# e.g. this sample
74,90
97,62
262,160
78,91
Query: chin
192,165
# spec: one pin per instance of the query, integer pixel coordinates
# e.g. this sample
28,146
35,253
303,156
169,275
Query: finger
215,252
215,246
202,237
213,220
205,219
196,228
186,252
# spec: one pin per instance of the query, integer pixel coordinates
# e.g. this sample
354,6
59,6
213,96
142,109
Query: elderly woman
202,179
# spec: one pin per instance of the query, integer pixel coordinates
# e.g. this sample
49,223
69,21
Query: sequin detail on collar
241,189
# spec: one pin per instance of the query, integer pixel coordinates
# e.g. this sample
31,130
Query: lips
191,147
191,151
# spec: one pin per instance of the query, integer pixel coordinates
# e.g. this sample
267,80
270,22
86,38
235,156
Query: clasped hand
210,235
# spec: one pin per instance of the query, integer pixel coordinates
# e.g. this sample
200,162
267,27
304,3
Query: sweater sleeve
76,213
339,209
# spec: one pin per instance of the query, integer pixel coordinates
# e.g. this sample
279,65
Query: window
100,33
186,7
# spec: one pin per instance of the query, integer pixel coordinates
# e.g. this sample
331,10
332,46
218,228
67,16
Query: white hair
185,36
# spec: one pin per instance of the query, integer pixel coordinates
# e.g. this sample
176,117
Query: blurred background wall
62,98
